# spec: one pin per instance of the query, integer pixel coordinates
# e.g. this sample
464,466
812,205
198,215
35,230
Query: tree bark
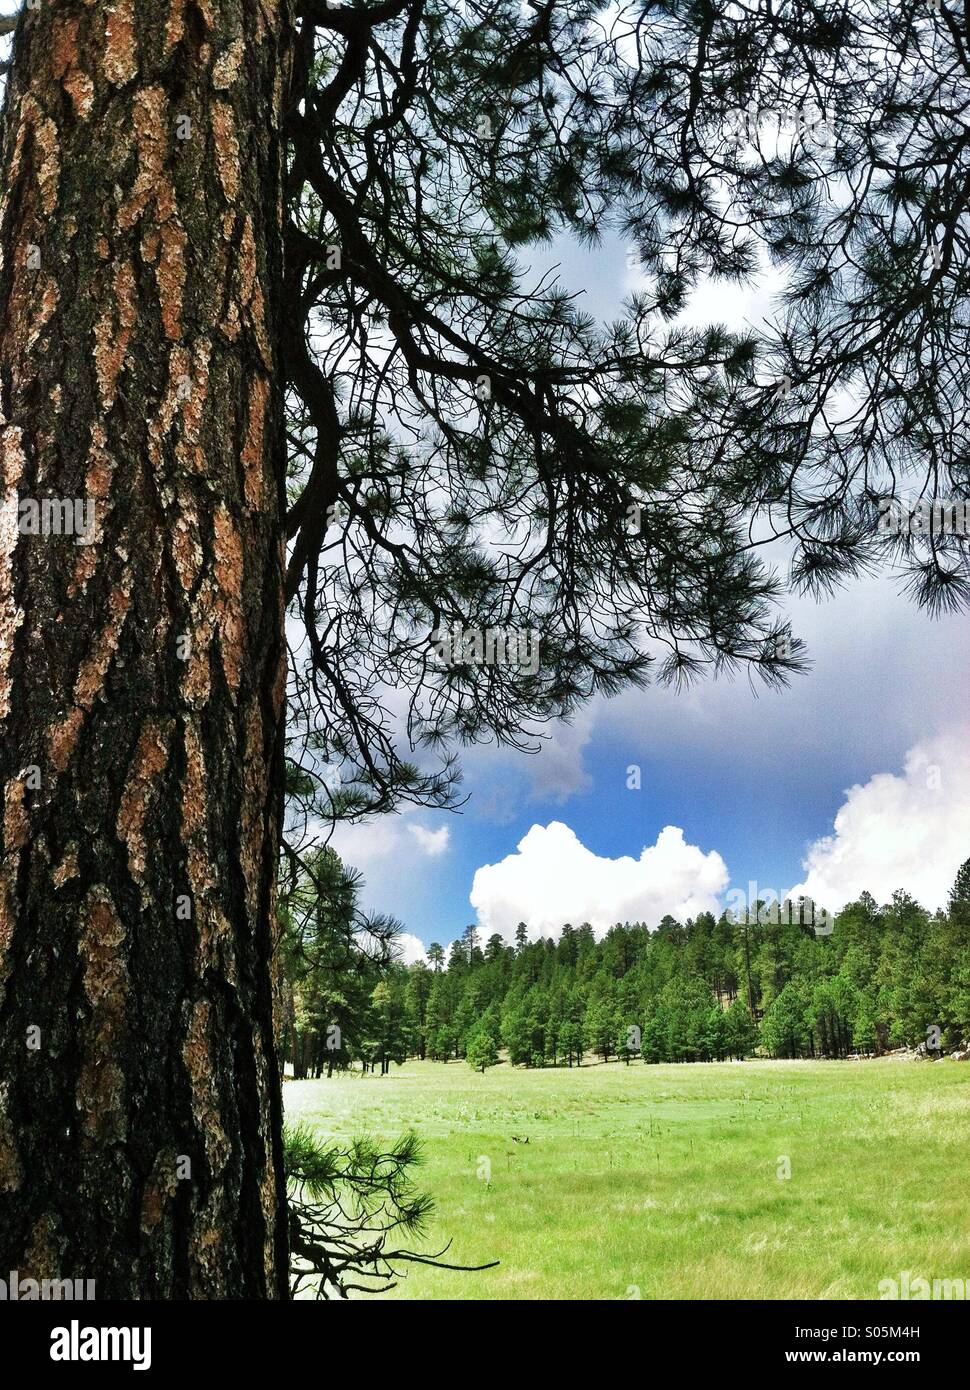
142,675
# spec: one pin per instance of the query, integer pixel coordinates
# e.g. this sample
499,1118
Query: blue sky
756,778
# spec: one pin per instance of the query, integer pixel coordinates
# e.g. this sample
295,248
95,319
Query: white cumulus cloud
409,949
432,842
908,831
553,878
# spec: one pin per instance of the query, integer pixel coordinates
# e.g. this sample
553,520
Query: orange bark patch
120,55
91,676
64,51
8,914
226,149
250,292
159,1190
67,868
206,1255
63,737
85,567
100,1085
41,1260
90,680
194,799
112,333
41,301
195,821
252,450
171,276
197,1056
174,24
186,550
100,465
150,760
12,465
47,145
178,366
151,244
153,184
11,1173
185,396
228,572
267,1184
213,928
15,828
279,686
268,18
16,159
252,836
193,404
97,486
227,68
197,683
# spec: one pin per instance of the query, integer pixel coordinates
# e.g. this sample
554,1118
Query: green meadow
706,1180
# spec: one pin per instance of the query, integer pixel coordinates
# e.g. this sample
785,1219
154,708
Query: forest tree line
707,989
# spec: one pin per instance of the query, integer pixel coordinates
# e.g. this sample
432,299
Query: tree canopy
471,452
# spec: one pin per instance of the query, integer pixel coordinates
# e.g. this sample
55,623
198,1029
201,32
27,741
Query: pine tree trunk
142,675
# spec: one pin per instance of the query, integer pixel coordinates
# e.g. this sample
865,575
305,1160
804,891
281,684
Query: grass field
663,1181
